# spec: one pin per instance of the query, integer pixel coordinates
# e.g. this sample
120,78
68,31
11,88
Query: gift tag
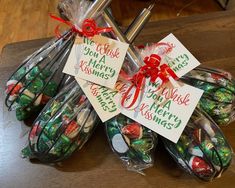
98,60
179,59
166,111
103,99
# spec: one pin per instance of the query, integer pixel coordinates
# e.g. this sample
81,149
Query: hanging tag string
89,27
153,70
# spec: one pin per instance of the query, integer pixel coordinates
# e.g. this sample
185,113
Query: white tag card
101,60
103,100
166,111
180,60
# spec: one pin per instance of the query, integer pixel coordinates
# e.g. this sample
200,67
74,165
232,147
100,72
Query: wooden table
211,38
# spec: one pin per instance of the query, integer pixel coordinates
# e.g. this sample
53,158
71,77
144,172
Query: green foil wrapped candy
142,145
133,143
41,71
208,154
218,99
33,73
25,100
36,85
61,146
50,89
223,95
65,124
45,74
22,114
19,73
44,143
51,128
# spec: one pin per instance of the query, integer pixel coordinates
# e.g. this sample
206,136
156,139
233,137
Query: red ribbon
89,27
150,70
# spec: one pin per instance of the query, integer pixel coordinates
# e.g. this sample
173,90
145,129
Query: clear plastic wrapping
132,142
74,10
40,75
68,120
38,78
218,99
64,125
202,149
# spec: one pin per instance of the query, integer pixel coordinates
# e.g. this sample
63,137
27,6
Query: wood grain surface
210,38
29,19
125,11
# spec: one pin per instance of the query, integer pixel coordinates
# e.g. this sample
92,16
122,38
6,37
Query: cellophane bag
64,125
38,78
202,149
218,99
133,143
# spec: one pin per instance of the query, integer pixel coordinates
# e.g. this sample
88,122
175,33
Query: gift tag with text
101,60
166,111
178,58
103,99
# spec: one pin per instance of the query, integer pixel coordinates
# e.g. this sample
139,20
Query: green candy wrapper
219,93
39,77
64,125
133,143
202,149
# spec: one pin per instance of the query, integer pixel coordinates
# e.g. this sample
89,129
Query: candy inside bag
218,99
132,142
202,149
64,125
219,93
38,78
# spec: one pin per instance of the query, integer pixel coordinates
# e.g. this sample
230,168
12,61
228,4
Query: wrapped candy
218,85
52,137
38,78
64,125
202,149
219,92
132,142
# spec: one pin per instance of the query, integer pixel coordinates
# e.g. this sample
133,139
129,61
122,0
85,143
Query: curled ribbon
150,70
89,27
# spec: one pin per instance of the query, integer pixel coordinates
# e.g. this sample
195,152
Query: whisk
39,77
218,99
202,149
49,140
132,142
65,124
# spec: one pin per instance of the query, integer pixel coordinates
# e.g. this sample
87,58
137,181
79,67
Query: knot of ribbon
89,27
153,70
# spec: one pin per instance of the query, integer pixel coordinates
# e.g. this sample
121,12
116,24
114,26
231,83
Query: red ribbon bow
89,27
149,70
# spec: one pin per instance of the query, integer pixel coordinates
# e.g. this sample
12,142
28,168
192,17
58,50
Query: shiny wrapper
132,142
64,125
218,99
38,78
202,149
